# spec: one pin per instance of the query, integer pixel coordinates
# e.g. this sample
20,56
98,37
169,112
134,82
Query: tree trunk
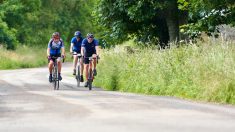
172,20
183,19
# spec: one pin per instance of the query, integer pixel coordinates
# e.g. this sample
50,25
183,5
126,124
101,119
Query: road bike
77,76
91,72
55,73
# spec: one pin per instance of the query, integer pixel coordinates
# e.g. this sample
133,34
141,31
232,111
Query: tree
31,22
151,20
206,15
148,20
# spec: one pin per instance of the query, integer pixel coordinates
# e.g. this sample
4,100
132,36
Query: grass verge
202,71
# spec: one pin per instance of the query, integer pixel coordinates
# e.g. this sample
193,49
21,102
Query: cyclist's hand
94,56
63,56
98,57
48,57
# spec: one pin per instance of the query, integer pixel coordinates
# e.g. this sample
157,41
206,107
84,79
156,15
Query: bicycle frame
55,78
90,72
77,76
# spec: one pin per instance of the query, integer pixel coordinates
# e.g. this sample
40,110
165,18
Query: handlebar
53,57
77,54
90,58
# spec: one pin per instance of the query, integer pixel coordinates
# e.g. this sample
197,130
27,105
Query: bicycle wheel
78,76
54,77
90,80
58,84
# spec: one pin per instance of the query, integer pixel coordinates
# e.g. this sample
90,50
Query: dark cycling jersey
89,47
76,44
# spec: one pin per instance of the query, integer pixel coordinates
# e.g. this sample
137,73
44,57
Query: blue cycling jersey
89,47
76,44
55,48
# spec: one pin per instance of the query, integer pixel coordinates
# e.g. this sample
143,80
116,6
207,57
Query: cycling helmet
90,35
56,35
77,34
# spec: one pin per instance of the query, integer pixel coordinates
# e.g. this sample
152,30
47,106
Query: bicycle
77,76
55,74
90,72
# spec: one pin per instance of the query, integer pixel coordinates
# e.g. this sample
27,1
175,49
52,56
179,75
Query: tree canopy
31,22
160,20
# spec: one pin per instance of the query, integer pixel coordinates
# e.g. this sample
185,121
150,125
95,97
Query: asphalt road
28,103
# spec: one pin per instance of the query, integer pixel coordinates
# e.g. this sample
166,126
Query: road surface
28,103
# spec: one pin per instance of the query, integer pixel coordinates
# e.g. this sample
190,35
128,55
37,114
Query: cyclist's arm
97,50
63,51
48,51
82,51
83,47
97,47
71,47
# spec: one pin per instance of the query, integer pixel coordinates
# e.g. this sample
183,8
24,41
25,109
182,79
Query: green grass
22,57
203,71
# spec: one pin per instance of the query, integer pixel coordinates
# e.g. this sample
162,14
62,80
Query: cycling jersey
76,44
55,48
89,47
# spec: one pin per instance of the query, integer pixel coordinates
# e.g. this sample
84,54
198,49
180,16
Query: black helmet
90,35
56,35
77,34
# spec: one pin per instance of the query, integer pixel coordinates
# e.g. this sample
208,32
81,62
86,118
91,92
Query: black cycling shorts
57,55
86,57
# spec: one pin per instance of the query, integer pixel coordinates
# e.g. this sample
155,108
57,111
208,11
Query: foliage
32,22
22,57
206,15
123,19
147,20
202,71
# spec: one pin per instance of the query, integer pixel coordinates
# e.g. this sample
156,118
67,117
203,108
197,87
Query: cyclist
89,48
75,48
55,49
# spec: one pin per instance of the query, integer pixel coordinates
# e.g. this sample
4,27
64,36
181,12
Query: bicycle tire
89,84
90,80
54,77
58,84
78,77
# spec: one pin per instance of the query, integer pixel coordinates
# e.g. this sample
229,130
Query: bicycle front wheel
90,84
58,84
90,80
78,77
55,78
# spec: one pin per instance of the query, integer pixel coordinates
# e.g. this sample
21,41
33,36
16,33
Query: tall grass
22,57
202,71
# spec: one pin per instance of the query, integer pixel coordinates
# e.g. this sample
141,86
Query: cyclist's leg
59,64
75,61
94,63
50,67
86,66
81,69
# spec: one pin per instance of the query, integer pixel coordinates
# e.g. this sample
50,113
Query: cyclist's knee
50,63
59,63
